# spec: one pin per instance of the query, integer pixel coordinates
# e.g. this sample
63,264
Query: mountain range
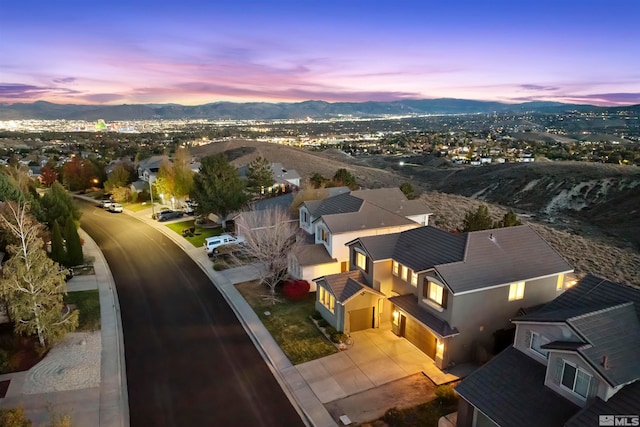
42,110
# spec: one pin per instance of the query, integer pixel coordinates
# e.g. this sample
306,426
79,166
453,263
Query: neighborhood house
448,294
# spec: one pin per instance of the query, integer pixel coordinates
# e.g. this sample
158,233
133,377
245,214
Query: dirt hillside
589,213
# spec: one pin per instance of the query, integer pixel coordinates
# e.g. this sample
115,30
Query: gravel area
73,364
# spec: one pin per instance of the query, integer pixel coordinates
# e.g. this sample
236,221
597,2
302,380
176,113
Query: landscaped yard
289,323
137,206
200,233
88,304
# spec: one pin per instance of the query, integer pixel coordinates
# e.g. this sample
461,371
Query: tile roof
614,334
510,390
501,256
345,285
409,303
624,402
313,254
366,218
425,247
379,247
392,199
342,203
607,316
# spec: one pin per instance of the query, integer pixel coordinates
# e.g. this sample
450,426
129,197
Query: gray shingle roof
342,203
313,254
501,256
366,218
593,291
510,390
425,247
344,285
606,315
409,304
379,247
613,333
392,199
624,402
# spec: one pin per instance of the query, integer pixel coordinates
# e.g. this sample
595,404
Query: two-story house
573,361
332,222
445,293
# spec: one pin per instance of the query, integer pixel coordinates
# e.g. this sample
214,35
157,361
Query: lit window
538,341
575,379
396,266
560,282
405,273
326,298
361,260
324,236
414,278
435,292
516,291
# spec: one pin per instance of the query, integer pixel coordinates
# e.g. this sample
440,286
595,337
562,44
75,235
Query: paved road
189,361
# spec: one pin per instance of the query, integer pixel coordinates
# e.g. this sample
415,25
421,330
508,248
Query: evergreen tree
317,180
477,220
260,175
32,283
510,219
408,191
58,253
343,177
183,174
74,246
218,188
58,205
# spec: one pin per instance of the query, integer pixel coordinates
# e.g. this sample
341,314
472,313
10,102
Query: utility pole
153,213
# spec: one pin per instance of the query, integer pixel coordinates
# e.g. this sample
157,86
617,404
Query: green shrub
393,417
316,315
14,417
219,265
323,323
445,394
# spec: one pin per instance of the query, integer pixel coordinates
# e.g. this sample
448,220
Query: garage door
420,336
361,319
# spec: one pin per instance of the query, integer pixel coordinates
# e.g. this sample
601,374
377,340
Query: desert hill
590,213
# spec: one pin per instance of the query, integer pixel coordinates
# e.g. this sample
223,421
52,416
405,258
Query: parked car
167,215
213,244
115,207
105,203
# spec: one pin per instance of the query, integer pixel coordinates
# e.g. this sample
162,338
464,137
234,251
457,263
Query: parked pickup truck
212,244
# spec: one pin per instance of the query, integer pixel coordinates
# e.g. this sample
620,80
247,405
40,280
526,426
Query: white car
115,207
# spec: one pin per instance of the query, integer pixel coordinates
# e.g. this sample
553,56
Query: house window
516,291
414,278
324,236
396,267
560,282
536,342
575,379
305,217
434,292
361,260
326,299
405,272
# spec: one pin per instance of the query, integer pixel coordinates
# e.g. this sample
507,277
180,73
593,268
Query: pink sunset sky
195,52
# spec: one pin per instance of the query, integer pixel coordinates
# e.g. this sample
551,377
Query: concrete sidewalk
103,406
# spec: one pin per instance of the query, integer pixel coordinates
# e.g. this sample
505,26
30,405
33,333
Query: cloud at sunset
197,52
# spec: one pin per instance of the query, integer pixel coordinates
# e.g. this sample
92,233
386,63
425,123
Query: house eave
509,283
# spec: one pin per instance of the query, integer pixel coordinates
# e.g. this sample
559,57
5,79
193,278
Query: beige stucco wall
311,272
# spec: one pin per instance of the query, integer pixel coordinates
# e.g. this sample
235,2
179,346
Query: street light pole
153,214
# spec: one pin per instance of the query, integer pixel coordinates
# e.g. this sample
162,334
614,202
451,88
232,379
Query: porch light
439,349
396,315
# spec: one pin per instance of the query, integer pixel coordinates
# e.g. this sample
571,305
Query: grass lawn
425,415
200,234
289,323
136,207
88,303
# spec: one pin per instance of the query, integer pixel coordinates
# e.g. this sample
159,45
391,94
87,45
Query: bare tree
32,283
270,236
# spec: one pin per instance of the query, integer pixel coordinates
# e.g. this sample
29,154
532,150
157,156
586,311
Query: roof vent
605,362
491,236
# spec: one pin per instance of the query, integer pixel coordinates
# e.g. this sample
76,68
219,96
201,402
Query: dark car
167,215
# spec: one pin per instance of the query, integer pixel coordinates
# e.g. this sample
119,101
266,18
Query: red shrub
296,289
